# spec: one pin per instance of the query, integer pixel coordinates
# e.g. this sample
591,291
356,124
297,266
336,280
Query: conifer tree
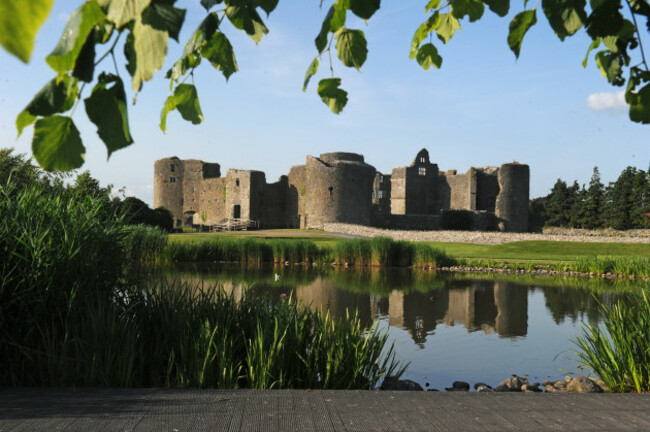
593,205
621,200
558,207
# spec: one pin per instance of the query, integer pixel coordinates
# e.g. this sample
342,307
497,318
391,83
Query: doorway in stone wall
188,219
236,211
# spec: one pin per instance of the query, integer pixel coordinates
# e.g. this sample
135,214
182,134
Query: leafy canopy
144,27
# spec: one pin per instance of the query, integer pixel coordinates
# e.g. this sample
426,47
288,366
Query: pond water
448,326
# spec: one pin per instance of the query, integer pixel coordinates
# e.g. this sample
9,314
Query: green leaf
610,67
473,8
191,53
565,16
57,145
605,18
428,55
19,23
333,21
207,4
23,120
106,108
247,19
150,46
334,97
129,54
267,5
121,12
519,25
594,44
55,97
351,47
186,100
202,34
164,17
84,67
639,105
77,31
433,4
219,52
447,27
364,8
499,7
423,31
311,71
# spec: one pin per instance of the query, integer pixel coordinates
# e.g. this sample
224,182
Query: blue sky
482,108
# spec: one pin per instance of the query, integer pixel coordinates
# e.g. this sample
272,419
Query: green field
533,252
543,251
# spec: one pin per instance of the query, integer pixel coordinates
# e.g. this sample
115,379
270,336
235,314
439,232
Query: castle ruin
342,187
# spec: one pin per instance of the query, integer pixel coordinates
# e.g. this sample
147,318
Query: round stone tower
512,201
168,186
339,189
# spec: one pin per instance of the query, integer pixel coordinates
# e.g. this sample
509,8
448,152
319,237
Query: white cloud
607,101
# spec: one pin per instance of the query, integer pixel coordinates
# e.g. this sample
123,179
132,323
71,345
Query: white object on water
277,277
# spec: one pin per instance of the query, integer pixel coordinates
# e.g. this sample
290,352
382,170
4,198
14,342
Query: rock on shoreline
578,384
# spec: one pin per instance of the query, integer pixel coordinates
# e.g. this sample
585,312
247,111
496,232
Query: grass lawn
534,252
542,251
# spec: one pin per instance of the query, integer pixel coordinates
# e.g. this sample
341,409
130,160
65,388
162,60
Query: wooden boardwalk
87,410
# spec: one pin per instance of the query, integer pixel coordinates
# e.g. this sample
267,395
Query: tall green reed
56,253
619,353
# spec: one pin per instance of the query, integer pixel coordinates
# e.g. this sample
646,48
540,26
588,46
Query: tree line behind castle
622,204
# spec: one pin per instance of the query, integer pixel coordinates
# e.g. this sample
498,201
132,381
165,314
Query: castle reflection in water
488,306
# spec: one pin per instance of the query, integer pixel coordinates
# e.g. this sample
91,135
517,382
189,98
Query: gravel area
493,238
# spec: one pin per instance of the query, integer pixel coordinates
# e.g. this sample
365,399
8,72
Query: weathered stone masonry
341,187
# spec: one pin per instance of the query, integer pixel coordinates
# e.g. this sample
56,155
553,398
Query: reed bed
143,242
627,266
69,316
183,336
619,353
55,253
379,251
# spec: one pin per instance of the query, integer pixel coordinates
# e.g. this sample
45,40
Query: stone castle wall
296,196
341,187
512,202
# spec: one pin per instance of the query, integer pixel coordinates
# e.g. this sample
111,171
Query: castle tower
178,185
168,187
414,188
339,189
512,201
